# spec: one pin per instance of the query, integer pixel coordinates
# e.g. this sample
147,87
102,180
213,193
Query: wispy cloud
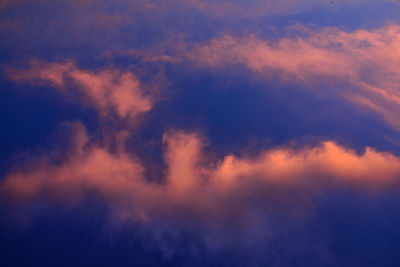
109,90
361,66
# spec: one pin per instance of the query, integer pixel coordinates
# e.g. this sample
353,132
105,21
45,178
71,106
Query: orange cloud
110,91
317,165
183,157
196,187
361,66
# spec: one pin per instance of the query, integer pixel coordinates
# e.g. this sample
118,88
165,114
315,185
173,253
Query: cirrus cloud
361,66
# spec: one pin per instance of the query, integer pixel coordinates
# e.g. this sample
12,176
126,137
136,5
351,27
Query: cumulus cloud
162,180
196,187
361,66
110,91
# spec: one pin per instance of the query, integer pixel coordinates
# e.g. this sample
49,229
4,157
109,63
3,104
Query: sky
199,133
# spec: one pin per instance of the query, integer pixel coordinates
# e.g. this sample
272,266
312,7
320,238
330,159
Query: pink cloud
197,187
183,157
110,91
222,8
360,66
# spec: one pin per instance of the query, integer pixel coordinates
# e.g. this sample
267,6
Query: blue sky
199,133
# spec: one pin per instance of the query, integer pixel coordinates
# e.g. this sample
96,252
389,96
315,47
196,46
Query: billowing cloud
109,90
361,66
239,160
195,186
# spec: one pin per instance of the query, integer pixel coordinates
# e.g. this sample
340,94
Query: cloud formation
252,8
218,161
361,66
197,188
110,91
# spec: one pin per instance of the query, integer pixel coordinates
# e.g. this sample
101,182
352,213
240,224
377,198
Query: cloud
360,66
110,91
251,8
260,8
197,187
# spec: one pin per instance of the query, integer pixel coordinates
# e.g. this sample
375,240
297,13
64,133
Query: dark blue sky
199,133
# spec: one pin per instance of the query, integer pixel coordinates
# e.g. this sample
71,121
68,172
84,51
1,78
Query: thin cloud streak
361,66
